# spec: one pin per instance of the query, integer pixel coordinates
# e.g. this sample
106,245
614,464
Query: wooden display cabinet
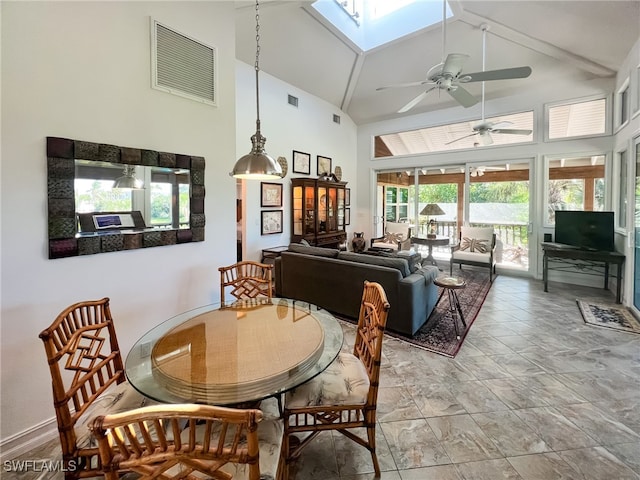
318,212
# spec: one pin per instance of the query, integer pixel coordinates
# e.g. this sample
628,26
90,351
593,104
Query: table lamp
430,210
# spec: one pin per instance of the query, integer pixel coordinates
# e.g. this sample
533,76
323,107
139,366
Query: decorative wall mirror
88,215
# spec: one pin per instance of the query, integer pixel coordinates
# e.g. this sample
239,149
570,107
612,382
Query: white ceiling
577,40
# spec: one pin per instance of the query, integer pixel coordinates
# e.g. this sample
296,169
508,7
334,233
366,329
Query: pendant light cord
257,67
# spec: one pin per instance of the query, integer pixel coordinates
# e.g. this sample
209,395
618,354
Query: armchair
476,246
397,236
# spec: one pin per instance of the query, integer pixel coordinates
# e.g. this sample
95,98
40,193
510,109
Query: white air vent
336,119
182,65
293,100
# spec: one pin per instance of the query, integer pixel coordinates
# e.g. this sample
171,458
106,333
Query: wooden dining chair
87,378
345,395
176,441
248,280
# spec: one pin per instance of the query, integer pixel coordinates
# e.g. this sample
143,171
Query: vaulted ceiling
575,40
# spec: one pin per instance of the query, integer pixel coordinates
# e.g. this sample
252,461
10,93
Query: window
575,184
622,105
621,173
95,195
454,136
396,204
577,119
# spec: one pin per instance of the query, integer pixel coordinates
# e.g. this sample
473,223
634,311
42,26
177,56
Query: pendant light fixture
257,164
128,179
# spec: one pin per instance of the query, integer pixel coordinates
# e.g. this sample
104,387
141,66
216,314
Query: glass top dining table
236,354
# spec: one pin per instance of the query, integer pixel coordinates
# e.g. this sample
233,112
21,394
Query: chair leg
371,434
283,464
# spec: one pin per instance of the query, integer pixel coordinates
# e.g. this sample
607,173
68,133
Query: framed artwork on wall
301,162
271,222
270,194
347,196
347,216
324,165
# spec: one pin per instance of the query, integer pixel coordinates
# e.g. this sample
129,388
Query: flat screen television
587,230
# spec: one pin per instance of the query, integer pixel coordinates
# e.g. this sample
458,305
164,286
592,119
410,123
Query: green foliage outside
494,192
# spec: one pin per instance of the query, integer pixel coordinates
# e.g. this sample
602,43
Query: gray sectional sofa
334,279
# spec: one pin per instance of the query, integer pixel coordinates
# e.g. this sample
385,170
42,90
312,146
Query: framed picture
347,196
271,222
301,162
324,165
271,194
347,216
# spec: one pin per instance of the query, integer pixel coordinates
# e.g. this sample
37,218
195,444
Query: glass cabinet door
332,212
310,206
341,209
297,210
323,206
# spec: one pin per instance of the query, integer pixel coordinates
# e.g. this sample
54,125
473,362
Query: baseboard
28,439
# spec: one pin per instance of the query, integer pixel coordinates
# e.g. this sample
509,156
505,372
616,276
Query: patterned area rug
438,334
607,315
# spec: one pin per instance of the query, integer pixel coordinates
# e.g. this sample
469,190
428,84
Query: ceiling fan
479,171
484,129
448,75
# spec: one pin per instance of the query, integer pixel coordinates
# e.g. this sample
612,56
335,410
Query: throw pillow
305,243
393,238
479,245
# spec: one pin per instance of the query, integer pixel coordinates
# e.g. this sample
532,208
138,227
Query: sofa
334,280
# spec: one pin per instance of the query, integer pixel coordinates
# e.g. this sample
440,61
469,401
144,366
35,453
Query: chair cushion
118,399
344,382
480,245
270,433
471,256
382,244
397,227
477,232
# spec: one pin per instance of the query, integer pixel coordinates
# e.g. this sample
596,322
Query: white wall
308,128
82,71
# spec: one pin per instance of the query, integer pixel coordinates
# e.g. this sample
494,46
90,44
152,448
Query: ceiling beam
531,43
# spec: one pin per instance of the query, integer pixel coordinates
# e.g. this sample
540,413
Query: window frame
620,189
572,101
622,104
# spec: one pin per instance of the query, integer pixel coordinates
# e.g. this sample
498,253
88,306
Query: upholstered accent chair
176,441
344,396
87,378
476,246
397,236
248,281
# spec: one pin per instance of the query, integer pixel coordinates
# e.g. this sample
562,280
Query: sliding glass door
499,196
636,250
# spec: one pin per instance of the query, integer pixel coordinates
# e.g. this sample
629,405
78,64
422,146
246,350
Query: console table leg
606,275
619,285
545,270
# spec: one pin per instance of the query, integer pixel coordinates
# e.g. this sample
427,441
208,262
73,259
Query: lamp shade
432,209
258,166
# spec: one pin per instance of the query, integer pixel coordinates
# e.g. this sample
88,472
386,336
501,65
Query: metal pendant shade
257,164
128,179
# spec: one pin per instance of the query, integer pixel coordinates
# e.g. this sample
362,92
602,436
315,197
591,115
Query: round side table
451,285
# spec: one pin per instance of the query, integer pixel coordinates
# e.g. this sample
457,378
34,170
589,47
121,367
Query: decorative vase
358,242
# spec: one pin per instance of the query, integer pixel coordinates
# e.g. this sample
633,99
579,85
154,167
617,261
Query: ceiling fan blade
415,101
499,125
403,85
453,64
460,138
463,97
511,131
503,74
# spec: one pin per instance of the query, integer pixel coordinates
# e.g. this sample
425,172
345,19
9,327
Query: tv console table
585,261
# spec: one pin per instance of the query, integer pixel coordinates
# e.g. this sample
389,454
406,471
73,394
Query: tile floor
534,393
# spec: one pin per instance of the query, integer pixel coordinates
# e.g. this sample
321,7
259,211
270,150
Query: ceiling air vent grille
292,100
183,66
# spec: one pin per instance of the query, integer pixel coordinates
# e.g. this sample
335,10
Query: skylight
367,24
